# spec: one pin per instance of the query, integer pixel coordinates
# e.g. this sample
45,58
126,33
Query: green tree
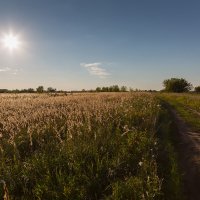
3,90
50,89
98,89
30,90
177,85
114,88
105,89
40,89
197,89
131,89
123,89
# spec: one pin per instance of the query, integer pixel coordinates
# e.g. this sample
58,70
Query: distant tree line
113,88
170,85
39,89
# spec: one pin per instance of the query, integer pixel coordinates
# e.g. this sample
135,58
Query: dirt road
189,157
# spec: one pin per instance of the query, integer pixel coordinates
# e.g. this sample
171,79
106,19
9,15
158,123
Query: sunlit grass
187,106
91,146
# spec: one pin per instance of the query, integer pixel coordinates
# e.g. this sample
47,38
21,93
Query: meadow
188,107
82,146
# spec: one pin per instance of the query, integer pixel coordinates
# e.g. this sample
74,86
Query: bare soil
189,157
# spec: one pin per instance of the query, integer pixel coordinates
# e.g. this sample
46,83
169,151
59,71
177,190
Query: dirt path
189,155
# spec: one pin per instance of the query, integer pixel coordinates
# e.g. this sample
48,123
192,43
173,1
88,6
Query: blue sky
76,44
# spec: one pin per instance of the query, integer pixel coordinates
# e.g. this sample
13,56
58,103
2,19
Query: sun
11,41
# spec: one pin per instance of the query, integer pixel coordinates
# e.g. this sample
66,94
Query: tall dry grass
89,146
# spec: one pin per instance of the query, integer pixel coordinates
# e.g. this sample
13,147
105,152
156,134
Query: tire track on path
189,157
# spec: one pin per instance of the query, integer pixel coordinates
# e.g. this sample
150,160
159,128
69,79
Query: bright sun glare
11,41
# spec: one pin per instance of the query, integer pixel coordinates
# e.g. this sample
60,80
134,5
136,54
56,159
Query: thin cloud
16,71
9,70
6,69
96,69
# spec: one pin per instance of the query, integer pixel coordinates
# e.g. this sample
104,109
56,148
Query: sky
82,44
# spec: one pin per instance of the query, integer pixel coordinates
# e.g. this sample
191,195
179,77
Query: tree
98,89
131,89
40,89
50,89
177,85
123,89
114,88
197,89
105,89
15,91
3,90
30,90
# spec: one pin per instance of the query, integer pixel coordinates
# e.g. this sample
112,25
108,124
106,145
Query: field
84,146
188,106
125,145
184,110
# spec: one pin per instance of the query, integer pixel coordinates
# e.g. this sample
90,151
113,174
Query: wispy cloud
16,71
9,70
6,69
96,69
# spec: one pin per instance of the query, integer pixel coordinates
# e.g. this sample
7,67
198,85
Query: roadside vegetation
184,109
187,105
169,168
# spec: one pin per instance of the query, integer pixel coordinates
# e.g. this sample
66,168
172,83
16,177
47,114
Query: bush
197,89
177,85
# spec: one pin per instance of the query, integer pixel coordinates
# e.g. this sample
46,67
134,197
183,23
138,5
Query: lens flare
11,41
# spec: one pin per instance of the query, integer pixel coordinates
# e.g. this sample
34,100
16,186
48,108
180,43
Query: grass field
92,145
187,105
84,146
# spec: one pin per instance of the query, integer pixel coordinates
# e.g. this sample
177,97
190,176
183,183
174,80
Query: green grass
186,105
94,146
89,147
168,157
